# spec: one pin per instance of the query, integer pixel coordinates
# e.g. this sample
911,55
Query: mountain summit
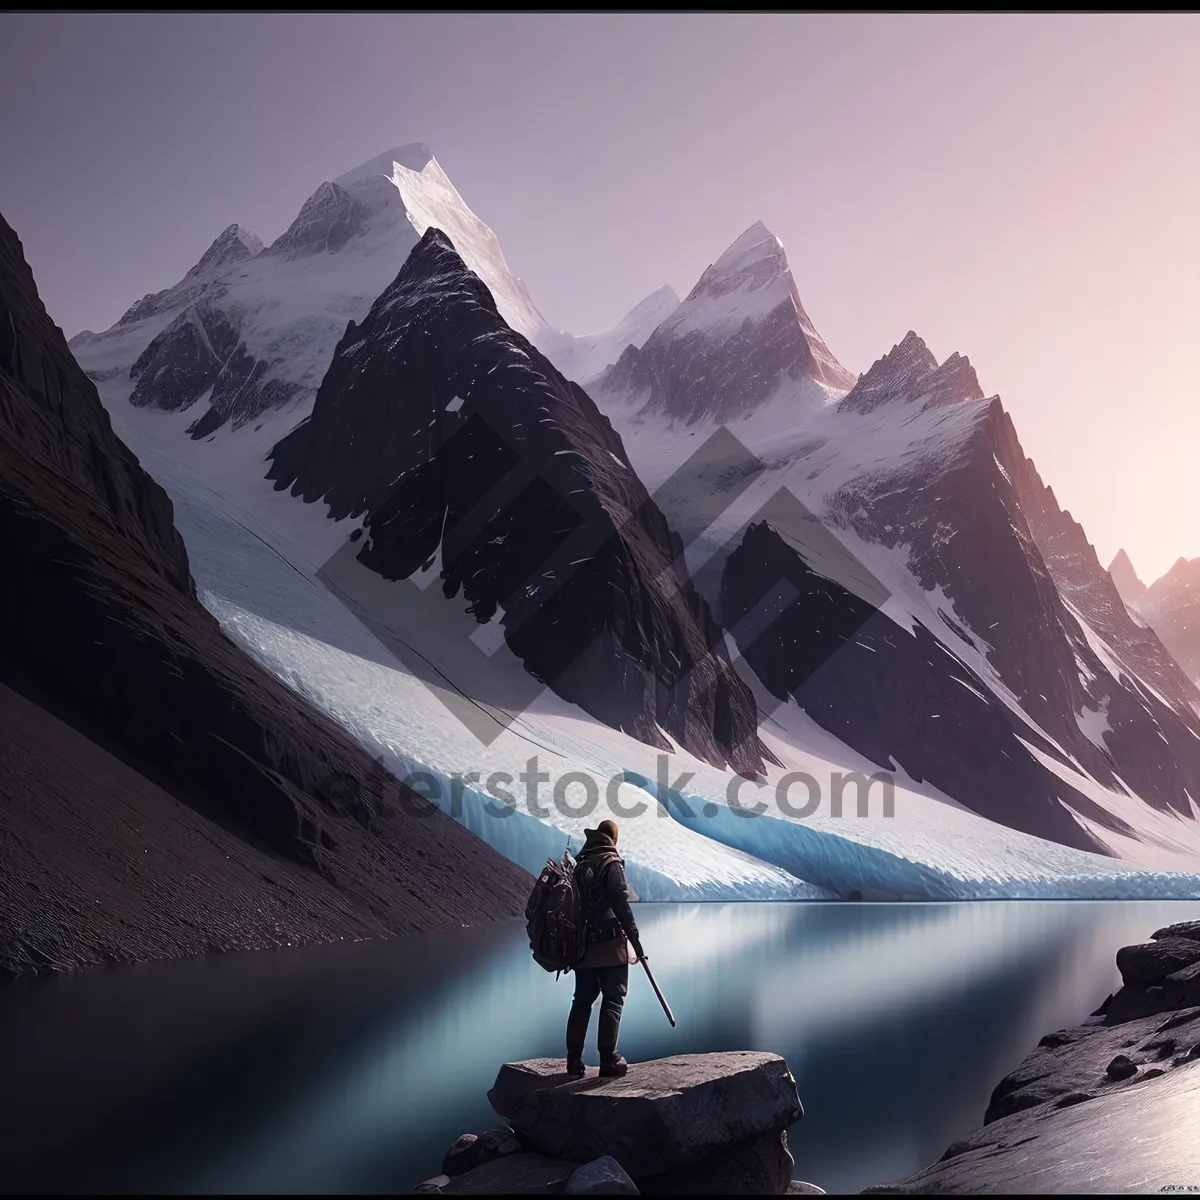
252,330
1172,607
1132,589
504,471
739,339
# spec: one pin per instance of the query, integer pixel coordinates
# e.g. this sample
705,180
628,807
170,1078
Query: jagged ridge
450,431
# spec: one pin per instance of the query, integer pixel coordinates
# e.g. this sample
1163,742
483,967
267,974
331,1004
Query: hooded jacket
611,924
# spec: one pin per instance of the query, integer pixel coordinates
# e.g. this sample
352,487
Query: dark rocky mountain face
979,524
54,425
99,618
727,349
1093,592
202,351
449,430
893,695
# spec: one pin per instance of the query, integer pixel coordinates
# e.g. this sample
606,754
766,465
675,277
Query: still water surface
351,1068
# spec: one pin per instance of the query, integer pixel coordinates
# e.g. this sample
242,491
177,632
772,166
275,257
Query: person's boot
614,1067
575,1066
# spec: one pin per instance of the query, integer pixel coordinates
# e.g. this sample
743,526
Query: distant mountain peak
909,373
429,198
739,339
663,300
415,156
1125,575
756,244
286,307
233,244
328,219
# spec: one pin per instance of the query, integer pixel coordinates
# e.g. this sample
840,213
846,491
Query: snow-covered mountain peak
738,343
328,219
415,156
657,304
753,273
430,199
909,374
280,312
756,244
234,244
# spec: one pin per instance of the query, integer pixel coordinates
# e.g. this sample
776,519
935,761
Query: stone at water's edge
1159,976
1151,961
1183,929
662,1117
761,1166
471,1150
515,1174
432,1187
602,1177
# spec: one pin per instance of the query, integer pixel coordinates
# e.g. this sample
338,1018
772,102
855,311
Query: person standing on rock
604,968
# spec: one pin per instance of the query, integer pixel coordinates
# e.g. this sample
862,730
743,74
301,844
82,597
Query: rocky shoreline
1105,1106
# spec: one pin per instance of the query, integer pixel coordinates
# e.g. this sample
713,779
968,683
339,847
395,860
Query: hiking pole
661,999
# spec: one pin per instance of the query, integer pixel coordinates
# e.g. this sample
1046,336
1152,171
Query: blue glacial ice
410,696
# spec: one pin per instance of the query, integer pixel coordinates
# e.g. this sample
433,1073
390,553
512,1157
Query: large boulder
473,1150
1159,976
1151,962
515,1174
601,1177
761,1166
1183,929
662,1117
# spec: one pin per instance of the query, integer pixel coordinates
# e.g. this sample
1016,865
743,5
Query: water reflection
351,1067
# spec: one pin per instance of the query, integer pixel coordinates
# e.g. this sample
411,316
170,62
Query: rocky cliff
1105,1106
149,738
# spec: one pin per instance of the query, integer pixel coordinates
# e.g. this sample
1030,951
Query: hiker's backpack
555,918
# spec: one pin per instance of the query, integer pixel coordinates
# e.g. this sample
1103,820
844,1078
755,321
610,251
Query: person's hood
596,842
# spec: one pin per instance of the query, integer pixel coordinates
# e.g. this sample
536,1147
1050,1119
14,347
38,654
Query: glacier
261,561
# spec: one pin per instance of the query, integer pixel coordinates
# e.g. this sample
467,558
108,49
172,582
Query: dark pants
613,982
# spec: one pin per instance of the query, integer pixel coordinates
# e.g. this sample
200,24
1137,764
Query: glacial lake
352,1067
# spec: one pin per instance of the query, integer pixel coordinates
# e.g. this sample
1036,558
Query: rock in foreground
664,1115
693,1124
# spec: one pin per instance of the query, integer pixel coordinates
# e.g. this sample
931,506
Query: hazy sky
1023,189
